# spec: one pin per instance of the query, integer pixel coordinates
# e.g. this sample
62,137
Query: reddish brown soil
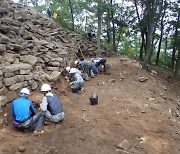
123,113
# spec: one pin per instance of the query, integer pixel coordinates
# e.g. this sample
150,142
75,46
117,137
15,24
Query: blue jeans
38,120
95,70
101,62
29,123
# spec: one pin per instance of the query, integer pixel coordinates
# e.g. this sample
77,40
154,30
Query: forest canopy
145,30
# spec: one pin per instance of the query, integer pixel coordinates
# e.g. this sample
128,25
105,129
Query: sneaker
47,122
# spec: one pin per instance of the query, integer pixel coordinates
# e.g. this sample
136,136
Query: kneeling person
77,81
24,113
51,105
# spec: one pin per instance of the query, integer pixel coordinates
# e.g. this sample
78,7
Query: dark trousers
49,13
101,62
89,36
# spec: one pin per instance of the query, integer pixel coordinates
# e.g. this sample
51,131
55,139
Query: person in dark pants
24,113
99,61
51,106
89,32
49,11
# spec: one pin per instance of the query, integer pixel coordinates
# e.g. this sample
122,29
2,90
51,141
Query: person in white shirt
68,69
76,80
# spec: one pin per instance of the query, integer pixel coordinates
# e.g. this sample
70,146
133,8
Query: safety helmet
45,87
76,62
72,70
91,59
51,3
68,68
24,92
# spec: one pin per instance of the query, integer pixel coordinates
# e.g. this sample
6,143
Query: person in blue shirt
24,113
99,61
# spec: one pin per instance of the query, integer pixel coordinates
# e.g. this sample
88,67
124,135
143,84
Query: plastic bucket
93,101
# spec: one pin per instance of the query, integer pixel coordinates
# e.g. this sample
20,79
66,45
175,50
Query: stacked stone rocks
33,49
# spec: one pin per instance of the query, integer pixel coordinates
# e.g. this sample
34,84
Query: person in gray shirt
77,81
51,106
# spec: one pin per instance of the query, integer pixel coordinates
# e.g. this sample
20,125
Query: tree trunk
99,14
165,50
177,68
152,42
161,35
142,32
119,37
150,5
109,39
143,45
72,14
113,24
159,48
175,42
173,58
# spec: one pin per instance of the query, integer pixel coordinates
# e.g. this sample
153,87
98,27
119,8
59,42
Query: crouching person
68,68
99,61
77,81
24,113
86,67
51,106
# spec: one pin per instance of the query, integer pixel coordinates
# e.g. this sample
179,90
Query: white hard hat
72,70
45,87
91,59
51,2
25,91
68,68
76,62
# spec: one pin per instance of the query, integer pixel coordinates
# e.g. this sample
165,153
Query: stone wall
33,49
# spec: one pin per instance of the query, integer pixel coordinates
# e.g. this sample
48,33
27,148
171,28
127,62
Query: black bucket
94,101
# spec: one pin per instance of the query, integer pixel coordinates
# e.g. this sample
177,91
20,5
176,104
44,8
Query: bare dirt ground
138,112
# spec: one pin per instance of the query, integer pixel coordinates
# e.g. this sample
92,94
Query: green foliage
164,59
119,19
130,48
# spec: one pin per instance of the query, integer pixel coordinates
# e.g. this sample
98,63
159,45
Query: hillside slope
131,116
